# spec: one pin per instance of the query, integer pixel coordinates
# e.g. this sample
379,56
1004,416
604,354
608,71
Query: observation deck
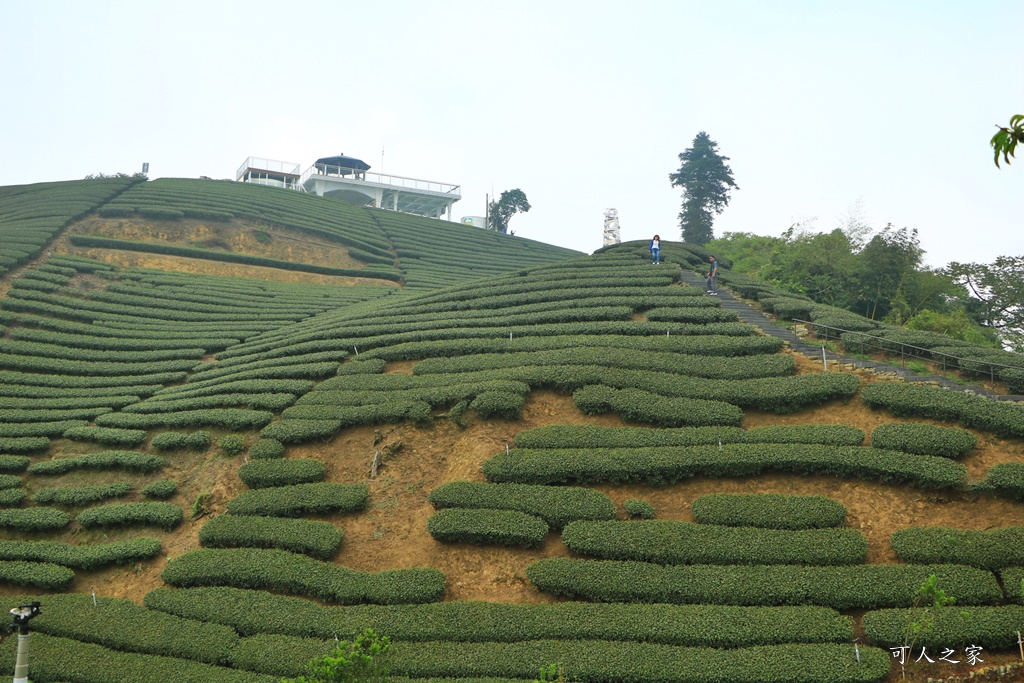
367,188
352,181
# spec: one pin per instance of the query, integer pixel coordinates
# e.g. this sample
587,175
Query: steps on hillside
751,316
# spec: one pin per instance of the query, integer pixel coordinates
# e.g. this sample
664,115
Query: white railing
352,174
258,164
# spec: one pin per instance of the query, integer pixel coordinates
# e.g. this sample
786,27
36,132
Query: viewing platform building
350,179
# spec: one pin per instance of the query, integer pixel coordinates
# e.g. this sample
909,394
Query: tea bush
34,519
628,662
993,628
866,586
300,499
666,542
161,489
43,575
164,515
316,539
81,495
106,436
487,527
126,626
911,400
923,439
89,556
992,549
287,572
556,505
635,405
168,441
266,448
63,659
768,510
105,460
258,474
252,612
639,508
668,465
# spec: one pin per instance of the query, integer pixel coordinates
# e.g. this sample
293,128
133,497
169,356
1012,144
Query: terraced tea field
499,454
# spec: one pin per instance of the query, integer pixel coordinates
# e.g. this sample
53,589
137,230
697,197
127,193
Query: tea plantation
582,460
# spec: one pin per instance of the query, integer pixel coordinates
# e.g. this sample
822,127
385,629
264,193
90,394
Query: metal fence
909,350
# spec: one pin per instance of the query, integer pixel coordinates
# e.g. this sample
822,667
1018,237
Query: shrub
266,448
487,527
667,542
82,495
989,627
316,539
1005,479
34,519
107,436
635,405
129,460
769,510
829,435
229,418
258,474
556,505
300,431
161,489
232,444
498,404
992,549
24,444
251,612
625,662
12,497
88,556
164,515
124,625
14,463
300,499
593,436
639,508
923,439
196,441
845,587
661,466
911,400
56,659
37,574
283,571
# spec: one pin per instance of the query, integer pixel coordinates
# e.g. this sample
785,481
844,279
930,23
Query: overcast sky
822,107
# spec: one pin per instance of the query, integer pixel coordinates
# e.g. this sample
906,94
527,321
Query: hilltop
261,420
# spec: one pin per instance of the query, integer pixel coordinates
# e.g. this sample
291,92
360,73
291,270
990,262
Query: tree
361,661
1004,143
706,180
887,264
999,289
510,203
748,252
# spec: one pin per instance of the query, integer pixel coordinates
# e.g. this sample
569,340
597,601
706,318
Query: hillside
251,420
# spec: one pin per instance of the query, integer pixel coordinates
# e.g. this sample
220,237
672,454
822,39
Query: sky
881,110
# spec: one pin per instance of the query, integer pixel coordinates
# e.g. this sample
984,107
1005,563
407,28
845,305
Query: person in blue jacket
656,250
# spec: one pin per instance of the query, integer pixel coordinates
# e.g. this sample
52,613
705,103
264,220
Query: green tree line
882,276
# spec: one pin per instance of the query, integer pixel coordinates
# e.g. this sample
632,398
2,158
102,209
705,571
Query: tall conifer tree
706,180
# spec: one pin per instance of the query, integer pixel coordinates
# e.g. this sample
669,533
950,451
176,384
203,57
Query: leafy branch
1004,143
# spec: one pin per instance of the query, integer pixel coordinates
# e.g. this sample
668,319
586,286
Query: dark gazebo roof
344,162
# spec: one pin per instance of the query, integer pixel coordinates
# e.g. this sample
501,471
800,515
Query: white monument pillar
611,227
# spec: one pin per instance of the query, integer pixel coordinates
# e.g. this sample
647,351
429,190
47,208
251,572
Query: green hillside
498,453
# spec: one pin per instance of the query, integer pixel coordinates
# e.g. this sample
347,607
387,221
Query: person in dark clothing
712,276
